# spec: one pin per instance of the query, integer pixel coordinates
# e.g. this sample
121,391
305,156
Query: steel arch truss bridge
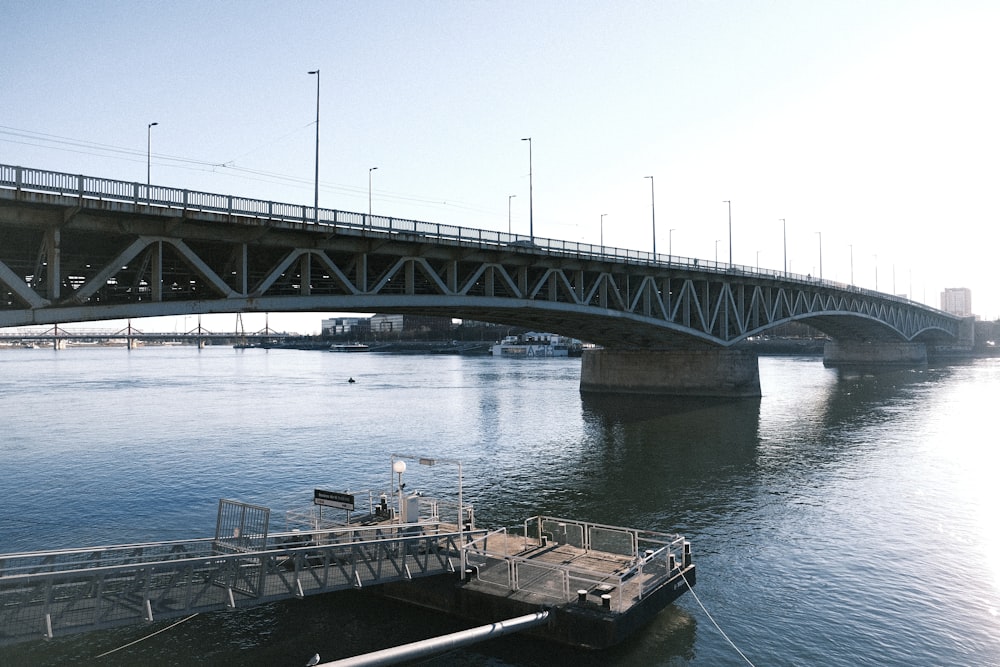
75,248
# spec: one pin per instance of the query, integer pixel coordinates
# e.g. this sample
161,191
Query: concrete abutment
712,373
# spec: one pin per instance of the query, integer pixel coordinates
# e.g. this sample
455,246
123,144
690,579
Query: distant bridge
59,337
79,248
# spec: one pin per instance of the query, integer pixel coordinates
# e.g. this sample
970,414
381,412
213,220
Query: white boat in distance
349,347
532,345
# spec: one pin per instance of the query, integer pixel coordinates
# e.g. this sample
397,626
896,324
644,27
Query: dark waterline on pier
842,519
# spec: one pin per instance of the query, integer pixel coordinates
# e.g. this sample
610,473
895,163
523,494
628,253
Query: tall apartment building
957,301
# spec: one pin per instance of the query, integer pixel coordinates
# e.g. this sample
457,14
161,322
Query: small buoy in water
315,659
351,380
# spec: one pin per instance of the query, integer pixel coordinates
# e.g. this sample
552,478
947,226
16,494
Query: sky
869,127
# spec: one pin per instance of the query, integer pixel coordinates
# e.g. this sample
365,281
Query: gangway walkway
53,593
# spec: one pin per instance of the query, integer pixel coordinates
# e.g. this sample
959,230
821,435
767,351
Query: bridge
77,248
130,337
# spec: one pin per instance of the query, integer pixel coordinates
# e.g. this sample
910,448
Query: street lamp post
531,194
784,245
509,197
370,170
851,246
758,260
717,250
602,231
820,234
316,177
726,201
670,244
652,200
149,154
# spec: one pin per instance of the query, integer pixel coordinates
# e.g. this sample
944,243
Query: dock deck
601,583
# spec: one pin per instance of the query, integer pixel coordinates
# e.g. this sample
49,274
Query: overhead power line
82,146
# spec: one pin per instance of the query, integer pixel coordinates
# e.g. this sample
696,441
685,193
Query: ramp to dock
53,593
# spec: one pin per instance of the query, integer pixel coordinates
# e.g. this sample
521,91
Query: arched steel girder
62,265
607,326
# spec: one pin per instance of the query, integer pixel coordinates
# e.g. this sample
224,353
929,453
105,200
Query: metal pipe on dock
435,645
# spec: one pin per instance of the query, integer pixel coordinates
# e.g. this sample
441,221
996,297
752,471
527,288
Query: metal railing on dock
75,590
557,558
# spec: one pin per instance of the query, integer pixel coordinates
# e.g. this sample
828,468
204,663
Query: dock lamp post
149,154
426,461
399,467
370,170
509,197
461,510
316,179
730,204
652,201
531,194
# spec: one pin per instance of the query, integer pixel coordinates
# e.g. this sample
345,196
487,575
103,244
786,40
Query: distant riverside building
410,324
477,323
387,326
346,326
957,301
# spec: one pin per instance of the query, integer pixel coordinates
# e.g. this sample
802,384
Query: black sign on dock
344,501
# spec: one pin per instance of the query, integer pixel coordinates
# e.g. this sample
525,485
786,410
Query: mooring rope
142,639
717,626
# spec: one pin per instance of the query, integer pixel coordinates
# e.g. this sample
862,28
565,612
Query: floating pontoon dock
598,583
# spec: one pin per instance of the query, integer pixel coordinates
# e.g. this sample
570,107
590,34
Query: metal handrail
656,557
62,601
150,553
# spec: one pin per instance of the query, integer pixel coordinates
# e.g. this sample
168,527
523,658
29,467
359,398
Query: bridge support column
714,373
882,353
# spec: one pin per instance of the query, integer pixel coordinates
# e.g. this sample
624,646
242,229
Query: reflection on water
841,519
658,461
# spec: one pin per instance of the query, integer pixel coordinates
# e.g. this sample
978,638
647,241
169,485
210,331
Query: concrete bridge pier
881,353
718,373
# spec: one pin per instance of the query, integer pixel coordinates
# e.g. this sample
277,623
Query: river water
842,519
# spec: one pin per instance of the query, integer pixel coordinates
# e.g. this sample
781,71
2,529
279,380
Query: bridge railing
103,189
